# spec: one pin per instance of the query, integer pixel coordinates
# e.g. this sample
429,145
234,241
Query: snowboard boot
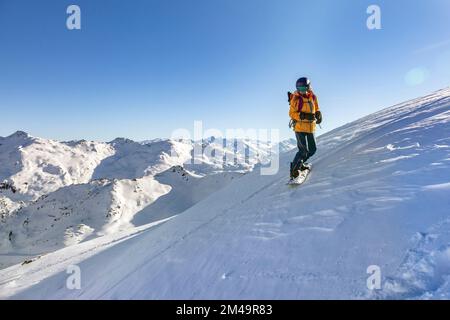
305,166
293,173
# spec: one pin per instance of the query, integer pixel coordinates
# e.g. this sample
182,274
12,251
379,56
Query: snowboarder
304,113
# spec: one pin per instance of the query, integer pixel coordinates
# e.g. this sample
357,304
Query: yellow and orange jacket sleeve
316,103
293,110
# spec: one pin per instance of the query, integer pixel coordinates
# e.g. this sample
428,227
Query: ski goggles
303,88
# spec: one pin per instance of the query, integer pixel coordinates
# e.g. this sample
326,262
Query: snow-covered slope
57,194
133,160
378,195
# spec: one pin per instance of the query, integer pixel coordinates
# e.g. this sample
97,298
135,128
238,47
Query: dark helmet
303,82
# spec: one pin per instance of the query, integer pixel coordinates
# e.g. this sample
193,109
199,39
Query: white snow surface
56,194
378,195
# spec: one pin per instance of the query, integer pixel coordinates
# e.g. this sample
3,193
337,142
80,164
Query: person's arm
293,110
316,103
318,114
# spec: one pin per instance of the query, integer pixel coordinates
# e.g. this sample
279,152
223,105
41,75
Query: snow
425,271
58,194
39,166
256,238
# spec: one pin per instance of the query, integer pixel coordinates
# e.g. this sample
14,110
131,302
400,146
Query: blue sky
143,68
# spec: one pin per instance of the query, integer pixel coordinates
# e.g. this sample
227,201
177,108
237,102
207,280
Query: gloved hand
302,116
318,116
292,123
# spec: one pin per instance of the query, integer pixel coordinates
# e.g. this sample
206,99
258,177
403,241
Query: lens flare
416,76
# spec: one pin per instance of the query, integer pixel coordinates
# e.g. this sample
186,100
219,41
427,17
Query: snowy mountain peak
119,141
19,135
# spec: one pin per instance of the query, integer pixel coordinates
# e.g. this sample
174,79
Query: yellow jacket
306,103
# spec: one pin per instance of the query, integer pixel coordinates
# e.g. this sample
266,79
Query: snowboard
300,179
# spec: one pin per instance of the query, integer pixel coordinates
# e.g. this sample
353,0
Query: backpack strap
300,103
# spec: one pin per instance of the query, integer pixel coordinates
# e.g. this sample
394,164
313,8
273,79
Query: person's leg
302,153
312,148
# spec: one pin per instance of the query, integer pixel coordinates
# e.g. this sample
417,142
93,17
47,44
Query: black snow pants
306,144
